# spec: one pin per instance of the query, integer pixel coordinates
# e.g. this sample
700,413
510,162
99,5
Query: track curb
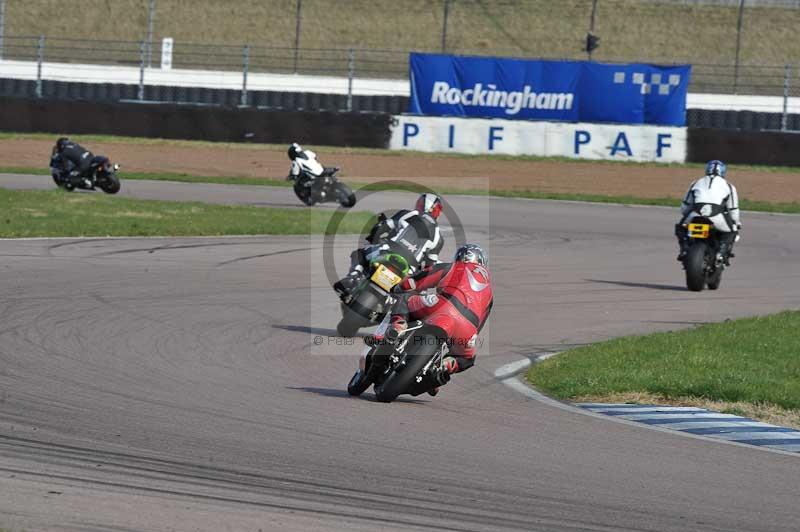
508,374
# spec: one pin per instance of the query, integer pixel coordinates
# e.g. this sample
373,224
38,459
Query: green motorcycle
368,303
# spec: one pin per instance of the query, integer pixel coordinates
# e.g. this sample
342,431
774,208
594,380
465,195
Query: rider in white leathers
715,198
306,161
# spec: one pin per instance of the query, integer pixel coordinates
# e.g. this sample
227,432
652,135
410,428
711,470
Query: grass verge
760,206
167,176
747,367
53,213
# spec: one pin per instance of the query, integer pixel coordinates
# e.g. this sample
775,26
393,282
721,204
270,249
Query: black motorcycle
331,190
102,174
703,262
368,303
409,364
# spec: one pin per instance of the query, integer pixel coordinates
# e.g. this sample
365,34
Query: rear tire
351,320
399,382
349,325
346,196
695,266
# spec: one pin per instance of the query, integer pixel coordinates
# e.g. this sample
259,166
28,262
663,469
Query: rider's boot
347,283
318,189
683,252
683,241
449,366
725,250
74,179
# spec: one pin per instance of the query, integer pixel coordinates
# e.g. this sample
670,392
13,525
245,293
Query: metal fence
350,63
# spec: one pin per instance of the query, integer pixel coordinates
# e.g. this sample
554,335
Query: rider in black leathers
72,161
412,233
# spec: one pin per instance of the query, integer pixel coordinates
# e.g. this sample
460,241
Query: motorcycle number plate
385,278
699,230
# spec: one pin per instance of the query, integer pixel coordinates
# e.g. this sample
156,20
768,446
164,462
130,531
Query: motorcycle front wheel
359,383
111,184
421,348
345,195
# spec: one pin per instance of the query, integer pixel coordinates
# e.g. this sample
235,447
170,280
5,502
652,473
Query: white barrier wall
323,84
547,139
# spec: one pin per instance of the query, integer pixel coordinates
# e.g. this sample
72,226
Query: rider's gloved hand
429,300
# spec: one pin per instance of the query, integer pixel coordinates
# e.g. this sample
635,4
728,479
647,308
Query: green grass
761,206
791,208
751,361
53,213
166,176
748,205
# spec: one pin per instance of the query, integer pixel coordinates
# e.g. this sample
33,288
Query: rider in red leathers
460,305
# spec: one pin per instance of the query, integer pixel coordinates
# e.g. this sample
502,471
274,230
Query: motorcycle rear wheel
695,266
348,326
351,320
350,323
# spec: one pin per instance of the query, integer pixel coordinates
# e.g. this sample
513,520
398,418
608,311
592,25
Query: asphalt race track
177,384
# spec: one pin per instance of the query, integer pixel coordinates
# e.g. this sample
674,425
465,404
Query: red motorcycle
410,363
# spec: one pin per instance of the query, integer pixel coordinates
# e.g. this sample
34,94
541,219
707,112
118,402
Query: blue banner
575,91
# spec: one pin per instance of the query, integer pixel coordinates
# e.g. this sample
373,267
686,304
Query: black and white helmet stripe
472,253
429,201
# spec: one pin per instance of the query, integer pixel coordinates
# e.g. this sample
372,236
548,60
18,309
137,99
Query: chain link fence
352,63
